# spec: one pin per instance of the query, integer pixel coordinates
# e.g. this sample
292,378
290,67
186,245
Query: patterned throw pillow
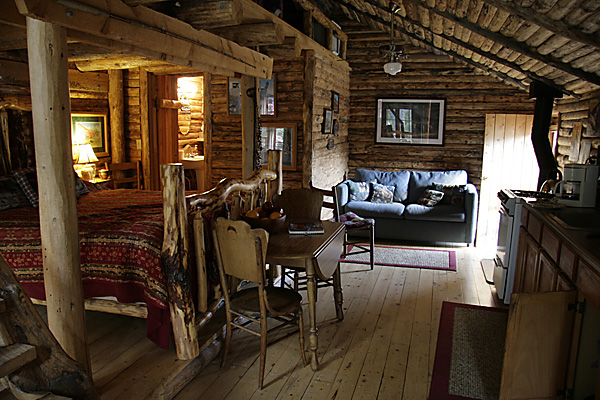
382,193
453,194
430,198
359,191
27,179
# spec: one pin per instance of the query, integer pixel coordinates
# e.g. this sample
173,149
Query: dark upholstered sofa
401,217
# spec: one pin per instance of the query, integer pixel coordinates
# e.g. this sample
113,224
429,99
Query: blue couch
453,220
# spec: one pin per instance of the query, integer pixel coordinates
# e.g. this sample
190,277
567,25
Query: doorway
509,162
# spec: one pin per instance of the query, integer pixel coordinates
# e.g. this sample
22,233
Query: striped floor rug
408,257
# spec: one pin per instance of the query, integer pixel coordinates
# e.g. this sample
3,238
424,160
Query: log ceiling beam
12,38
321,18
144,32
558,27
250,35
507,42
467,46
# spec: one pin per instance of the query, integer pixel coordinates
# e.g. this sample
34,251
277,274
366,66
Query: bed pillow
27,179
382,193
453,194
359,191
430,197
11,195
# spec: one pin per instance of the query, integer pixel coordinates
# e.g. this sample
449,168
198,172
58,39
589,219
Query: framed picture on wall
234,96
410,121
267,96
279,136
90,128
327,120
335,102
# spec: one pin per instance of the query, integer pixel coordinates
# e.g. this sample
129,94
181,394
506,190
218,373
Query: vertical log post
176,262
49,77
117,115
249,117
207,105
145,128
307,117
275,164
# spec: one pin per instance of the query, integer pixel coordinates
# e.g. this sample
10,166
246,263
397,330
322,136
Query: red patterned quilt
120,233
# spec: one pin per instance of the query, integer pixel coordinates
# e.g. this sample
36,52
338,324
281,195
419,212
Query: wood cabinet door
538,338
530,272
548,272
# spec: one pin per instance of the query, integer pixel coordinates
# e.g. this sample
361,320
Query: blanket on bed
120,233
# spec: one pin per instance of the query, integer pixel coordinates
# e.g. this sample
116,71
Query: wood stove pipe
542,116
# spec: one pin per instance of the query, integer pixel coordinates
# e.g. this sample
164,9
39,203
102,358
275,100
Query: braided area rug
407,257
469,353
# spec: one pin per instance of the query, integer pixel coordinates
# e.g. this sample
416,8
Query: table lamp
85,159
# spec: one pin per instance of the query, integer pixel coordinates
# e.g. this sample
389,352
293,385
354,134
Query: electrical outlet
138,143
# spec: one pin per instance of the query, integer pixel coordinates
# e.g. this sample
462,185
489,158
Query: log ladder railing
189,318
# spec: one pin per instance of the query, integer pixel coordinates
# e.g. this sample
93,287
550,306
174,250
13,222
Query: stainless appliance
578,187
511,205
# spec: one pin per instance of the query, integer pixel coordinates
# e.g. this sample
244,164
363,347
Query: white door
508,163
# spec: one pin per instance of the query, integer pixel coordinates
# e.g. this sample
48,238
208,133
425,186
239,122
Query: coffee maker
578,187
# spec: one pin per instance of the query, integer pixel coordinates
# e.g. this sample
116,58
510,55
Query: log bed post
175,256
49,77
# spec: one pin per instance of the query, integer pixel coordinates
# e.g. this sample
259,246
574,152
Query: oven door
501,261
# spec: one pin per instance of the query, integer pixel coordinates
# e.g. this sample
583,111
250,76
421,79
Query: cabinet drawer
534,227
550,243
568,262
588,282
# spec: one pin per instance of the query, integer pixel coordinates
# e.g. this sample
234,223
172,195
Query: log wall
469,96
226,146
578,129
330,164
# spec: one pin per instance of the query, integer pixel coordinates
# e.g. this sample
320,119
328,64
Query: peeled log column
176,262
48,71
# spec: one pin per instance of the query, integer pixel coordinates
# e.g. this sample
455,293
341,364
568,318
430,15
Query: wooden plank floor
383,349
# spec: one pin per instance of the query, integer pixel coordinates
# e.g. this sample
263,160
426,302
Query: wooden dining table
319,255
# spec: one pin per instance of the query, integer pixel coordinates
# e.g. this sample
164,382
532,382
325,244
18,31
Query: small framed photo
327,120
90,128
267,96
335,102
234,96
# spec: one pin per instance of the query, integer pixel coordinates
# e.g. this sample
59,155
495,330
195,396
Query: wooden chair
300,205
353,224
125,173
241,253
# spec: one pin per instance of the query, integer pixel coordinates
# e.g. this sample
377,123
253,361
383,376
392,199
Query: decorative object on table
335,101
305,228
469,353
268,217
84,165
393,66
103,174
90,128
267,102
234,96
410,121
279,136
407,257
327,121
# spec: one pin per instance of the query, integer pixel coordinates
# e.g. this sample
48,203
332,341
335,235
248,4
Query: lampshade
392,68
86,154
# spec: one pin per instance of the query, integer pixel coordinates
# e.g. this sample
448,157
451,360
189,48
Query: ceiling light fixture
393,66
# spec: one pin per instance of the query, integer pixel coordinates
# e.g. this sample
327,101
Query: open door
538,340
163,125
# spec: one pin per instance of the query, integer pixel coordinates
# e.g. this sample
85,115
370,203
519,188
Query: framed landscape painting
410,121
90,128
